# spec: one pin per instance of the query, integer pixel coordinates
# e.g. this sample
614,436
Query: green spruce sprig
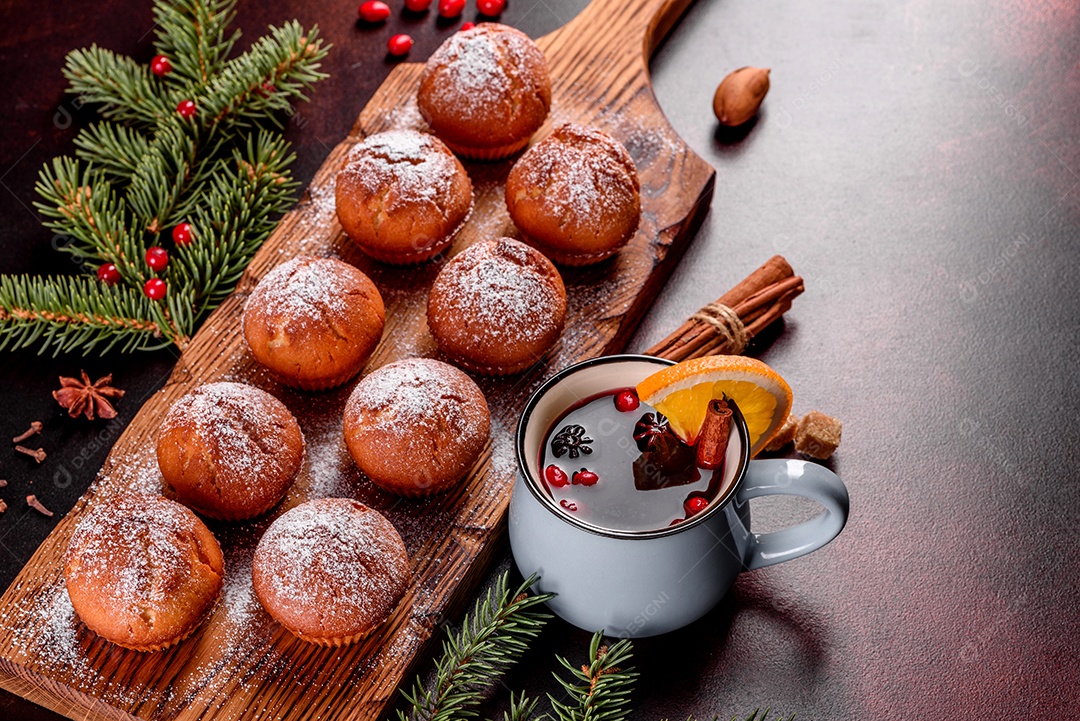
146,168
490,640
599,690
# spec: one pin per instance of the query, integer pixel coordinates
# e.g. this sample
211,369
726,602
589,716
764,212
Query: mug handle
784,477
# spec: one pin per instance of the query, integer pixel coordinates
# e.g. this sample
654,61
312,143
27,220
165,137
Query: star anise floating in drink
572,440
82,398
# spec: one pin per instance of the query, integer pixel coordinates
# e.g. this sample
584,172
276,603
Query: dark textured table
918,164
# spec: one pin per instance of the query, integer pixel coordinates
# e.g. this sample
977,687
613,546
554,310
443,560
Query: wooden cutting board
241,664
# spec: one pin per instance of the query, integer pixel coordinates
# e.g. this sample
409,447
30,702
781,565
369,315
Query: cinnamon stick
758,301
713,439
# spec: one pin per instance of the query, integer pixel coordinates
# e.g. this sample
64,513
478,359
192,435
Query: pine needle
145,169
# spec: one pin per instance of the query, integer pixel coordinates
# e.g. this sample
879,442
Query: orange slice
682,393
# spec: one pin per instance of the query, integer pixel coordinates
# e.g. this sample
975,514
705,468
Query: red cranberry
585,478
181,234
374,11
154,289
186,108
108,274
417,6
157,258
626,401
399,45
555,476
568,505
491,8
160,66
676,522
467,26
451,8
695,505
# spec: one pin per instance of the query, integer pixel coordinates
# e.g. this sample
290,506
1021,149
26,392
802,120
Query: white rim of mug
548,502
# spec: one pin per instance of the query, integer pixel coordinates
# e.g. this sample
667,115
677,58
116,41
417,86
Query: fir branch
239,210
277,69
113,149
192,34
522,708
599,691
81,204
490,640
65,313
162,175
126,90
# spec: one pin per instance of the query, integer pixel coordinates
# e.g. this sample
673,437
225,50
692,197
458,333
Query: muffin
415,427
229,451
575,195
497,307
143,571
485,91
330,570
402,195
314,322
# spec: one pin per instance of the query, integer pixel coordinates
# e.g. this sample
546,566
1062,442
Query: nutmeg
739,95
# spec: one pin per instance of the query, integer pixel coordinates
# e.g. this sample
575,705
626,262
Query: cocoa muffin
229,451
314,322
415,427
575,195
330,570
485,91
497,307
142,571
402,196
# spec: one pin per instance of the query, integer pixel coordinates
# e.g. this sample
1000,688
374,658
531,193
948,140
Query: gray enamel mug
643,583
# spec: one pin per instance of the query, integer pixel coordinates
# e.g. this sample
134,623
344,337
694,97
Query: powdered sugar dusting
476,72
133,551
332,559
306,291
403,167
580,173
501,290
413,398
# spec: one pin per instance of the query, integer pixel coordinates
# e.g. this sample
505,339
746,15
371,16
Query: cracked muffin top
402,196
229,450
314,322
142,571
416,427
330,570
485,91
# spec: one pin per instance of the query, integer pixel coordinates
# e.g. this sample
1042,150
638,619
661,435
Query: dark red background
918,163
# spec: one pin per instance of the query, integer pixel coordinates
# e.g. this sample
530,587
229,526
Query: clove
38,455
33,430
34,503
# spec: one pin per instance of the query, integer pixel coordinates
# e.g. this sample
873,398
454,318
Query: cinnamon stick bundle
726,325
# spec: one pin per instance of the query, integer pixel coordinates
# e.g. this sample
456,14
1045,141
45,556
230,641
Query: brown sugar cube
818,435
784,435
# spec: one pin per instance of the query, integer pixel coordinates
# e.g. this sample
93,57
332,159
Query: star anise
648,430
83,398
571,439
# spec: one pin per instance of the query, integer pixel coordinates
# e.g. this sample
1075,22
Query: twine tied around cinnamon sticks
727,324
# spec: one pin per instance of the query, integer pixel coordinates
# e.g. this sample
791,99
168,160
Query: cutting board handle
609,28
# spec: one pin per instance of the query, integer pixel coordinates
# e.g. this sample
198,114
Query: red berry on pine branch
417,6
467,26
108,274
186,108
374,11
451,8
491,8
181,234
157,258
399,45
154,289
160,66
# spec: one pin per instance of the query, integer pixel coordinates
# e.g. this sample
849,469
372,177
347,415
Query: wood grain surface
241,664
